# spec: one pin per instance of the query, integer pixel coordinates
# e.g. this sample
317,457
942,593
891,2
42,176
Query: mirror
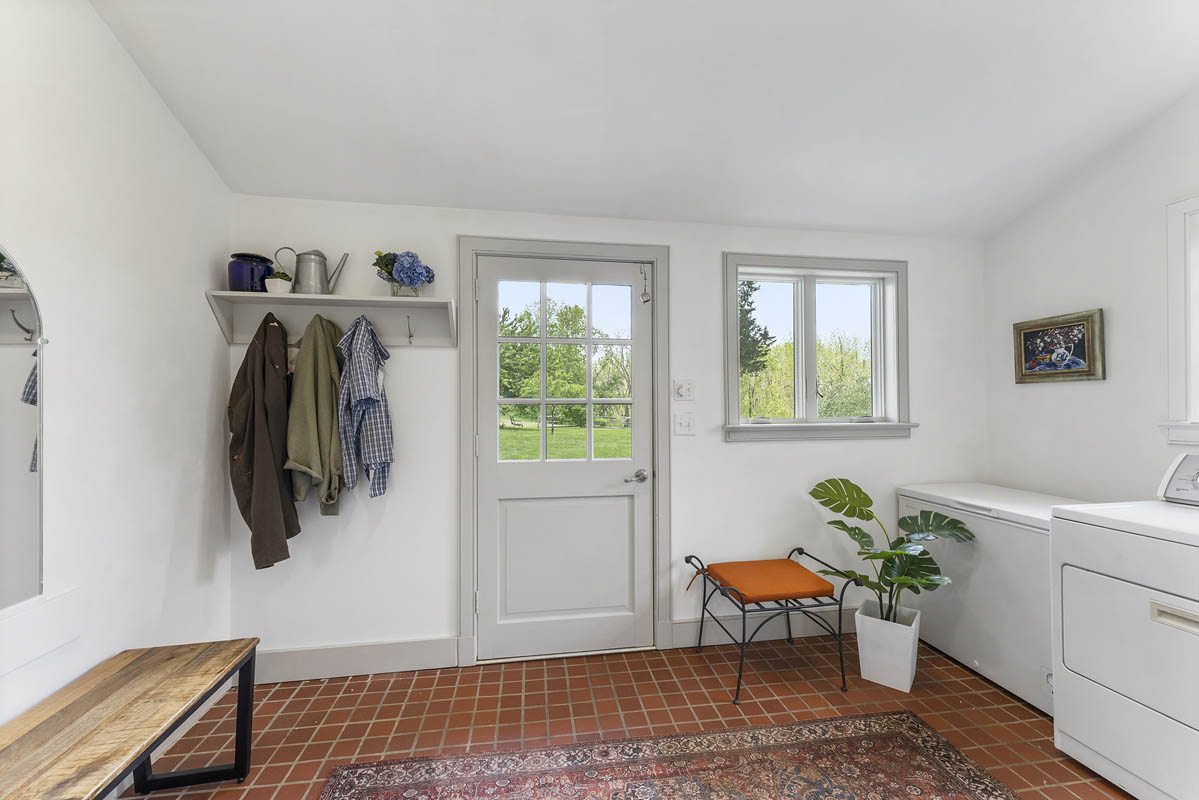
21,345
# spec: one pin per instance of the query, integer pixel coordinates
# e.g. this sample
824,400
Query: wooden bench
85,739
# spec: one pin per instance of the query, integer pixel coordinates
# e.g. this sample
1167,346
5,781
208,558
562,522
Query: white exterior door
565,457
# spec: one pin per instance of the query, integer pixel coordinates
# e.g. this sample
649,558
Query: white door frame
657,261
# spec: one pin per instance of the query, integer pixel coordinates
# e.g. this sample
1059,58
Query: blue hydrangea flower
408,269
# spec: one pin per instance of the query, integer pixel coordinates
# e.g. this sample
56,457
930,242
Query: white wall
386,569
1100,241
120,224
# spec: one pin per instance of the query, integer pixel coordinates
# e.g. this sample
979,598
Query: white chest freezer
996,615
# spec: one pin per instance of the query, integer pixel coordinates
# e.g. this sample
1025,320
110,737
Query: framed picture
1064,348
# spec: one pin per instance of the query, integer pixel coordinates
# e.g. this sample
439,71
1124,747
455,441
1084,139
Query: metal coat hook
27,331
409,318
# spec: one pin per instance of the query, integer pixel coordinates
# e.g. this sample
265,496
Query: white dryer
1125,590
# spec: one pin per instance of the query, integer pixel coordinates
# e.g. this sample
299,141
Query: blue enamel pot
247,271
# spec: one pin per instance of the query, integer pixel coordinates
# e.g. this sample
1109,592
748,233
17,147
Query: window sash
805,389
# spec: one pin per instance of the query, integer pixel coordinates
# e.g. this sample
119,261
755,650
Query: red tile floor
303,730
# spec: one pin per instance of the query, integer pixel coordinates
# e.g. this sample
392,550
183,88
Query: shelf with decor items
433,320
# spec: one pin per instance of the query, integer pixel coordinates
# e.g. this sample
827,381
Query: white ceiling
937,116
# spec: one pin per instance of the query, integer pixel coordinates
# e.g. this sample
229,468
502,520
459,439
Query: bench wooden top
73,744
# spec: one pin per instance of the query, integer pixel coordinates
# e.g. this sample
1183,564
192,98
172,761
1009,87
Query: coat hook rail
29,331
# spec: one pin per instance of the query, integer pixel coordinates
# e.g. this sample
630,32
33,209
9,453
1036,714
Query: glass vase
400,290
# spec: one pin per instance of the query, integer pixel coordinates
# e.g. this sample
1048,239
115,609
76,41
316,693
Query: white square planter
887,650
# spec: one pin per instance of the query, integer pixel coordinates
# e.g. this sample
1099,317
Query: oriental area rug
872,757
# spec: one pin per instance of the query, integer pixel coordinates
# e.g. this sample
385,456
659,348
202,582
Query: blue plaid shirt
364,421
29,395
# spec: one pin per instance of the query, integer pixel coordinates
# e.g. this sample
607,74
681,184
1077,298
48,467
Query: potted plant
888,634
406,273
279,282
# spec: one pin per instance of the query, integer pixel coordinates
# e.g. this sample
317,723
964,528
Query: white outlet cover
684,423
684,389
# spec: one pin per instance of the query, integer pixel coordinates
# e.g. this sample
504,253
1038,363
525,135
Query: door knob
640,476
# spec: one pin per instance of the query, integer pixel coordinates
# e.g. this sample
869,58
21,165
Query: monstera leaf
843,497
865,541
866,580
932,525
913,571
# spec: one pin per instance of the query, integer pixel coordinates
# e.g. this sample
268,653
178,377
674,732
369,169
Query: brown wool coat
258,447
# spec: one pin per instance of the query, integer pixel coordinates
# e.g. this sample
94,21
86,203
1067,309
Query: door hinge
476,445
476,602
476,290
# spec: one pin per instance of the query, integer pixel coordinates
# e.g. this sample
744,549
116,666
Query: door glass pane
520,308
611,312
565,371
520,433
843,328
613,430
520,370
766,316
566,310
612,371
566,431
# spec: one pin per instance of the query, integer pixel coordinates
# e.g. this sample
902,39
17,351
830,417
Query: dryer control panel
1181,484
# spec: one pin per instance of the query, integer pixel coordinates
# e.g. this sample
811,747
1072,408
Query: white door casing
565,531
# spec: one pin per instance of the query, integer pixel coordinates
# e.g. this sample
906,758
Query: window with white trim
815,348
1182,321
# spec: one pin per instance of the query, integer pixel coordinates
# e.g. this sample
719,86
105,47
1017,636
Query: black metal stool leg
840,633
741,665
790,640
703,612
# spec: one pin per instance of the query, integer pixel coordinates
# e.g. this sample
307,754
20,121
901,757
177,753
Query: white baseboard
686,630
335,661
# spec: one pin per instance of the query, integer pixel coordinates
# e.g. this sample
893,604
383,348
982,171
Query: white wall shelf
434,320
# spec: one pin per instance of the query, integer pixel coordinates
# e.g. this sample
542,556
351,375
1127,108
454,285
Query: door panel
565,536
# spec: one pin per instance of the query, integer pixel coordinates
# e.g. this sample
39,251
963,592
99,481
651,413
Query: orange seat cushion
770,579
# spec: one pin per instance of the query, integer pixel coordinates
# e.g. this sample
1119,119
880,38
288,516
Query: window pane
566,310
611,312
566,431
766,312
520,307
520,370
843,328
565,371
613,430
520,433
612,371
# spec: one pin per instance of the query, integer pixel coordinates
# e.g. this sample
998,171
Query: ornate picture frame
1068,347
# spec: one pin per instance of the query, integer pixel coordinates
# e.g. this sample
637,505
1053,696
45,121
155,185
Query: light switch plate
684,423
684,389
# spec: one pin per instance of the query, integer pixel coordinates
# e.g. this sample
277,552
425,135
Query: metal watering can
311,274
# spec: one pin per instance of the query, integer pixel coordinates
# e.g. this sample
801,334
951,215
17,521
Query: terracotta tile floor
303,730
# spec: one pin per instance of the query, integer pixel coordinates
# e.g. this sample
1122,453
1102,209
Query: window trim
1182,321
889,356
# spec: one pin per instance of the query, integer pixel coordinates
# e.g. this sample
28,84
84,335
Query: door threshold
551,656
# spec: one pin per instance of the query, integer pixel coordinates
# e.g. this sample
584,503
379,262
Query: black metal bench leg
245,720
840,635
144,779
741,665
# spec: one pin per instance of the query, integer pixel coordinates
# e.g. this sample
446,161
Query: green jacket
313,443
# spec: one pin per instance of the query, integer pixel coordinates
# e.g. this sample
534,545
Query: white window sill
779,431
1184,433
